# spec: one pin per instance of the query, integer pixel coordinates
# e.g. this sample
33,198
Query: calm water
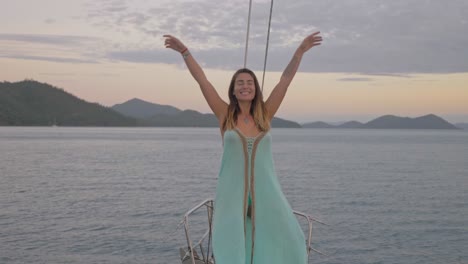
116,195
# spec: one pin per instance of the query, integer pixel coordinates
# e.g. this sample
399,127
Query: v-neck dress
270,234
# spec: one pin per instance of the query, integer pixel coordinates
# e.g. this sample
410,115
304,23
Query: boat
200,251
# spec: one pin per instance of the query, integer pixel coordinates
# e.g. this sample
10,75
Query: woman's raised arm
217,105
276,97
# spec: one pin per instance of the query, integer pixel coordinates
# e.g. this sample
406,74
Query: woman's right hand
174,43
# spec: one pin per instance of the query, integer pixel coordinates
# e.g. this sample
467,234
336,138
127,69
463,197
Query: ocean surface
116,195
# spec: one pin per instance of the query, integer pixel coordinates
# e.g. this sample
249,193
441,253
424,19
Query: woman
253,222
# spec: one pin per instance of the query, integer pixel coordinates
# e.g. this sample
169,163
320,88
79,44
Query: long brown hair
257,108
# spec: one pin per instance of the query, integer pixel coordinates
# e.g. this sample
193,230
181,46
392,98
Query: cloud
66,74
54,48
141,56
355,79
398,75
396,37
359,35
51,59
216,58
47,39
50,21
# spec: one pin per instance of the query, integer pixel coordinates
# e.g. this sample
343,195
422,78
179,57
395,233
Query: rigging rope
267,43
248,32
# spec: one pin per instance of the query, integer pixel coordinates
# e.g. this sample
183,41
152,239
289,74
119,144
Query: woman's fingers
173,43
310,41
315,38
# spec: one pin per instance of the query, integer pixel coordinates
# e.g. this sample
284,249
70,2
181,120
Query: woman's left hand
311,41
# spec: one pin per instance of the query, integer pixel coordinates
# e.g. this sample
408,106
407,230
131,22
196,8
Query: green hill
430,121
186,118
31,103
140,109
158,115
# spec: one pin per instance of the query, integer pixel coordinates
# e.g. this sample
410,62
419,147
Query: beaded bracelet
185,53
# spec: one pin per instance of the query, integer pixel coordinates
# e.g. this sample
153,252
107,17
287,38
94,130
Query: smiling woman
250,208
244,87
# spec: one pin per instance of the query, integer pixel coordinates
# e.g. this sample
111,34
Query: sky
402,57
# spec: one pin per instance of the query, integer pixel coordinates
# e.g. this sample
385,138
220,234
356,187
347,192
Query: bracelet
185,55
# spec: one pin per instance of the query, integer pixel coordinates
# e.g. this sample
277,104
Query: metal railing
190,256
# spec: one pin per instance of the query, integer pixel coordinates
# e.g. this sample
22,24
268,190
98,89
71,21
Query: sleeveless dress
269,232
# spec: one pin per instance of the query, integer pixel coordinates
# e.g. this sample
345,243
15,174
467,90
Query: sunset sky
407,58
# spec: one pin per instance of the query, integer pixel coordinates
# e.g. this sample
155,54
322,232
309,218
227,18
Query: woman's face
244,87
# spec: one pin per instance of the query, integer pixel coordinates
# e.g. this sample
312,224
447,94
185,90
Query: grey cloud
134,18
47,39
72,49
69,74
204,25
57,74
217,57
370,36
388,74
142,56
52,59
111,9
104,9
355,79
49,21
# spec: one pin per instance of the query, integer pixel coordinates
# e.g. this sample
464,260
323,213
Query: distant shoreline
31,103
217,128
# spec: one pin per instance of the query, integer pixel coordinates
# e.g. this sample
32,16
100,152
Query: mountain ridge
138,108
429,121
31,103
166,115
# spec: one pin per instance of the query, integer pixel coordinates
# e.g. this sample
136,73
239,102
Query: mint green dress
253,222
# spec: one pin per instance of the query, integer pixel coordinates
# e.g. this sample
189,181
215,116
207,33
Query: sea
118,195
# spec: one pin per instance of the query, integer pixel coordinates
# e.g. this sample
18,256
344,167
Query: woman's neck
244,108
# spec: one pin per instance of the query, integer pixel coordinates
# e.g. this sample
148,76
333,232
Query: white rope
268,41
248,32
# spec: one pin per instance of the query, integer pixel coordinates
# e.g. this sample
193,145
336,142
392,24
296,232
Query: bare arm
277,95
217,105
